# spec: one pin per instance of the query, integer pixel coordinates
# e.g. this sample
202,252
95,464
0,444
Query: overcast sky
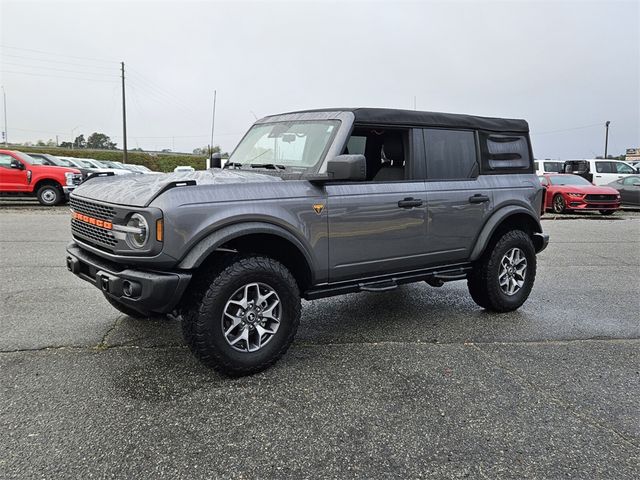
566,67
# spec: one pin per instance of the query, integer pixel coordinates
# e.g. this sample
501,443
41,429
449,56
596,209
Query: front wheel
49,195
245,318
503,278
559,205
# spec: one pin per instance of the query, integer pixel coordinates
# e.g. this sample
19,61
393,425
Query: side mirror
17,165
216,160
347,167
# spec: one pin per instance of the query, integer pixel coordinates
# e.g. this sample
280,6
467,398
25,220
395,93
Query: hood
588,189
141,190
52,169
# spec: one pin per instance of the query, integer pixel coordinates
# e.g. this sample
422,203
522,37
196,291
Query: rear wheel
244,319
607,212
559,205
503,278
49,195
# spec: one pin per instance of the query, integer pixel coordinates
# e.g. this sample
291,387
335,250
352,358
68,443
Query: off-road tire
558,205
49,195
122,308
203,308
607,212
483,280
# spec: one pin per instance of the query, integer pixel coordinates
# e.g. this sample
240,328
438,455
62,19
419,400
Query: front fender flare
215,239
494,222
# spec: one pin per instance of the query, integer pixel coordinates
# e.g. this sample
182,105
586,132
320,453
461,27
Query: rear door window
451,154
606,167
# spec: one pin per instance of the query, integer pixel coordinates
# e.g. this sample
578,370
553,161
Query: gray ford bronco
313,204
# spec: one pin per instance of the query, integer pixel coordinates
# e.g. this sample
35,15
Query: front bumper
67,189
581,204
143,290
540,241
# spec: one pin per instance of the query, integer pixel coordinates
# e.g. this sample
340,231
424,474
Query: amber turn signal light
159,230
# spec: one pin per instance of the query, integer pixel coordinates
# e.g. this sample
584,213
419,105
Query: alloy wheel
251,317
513,269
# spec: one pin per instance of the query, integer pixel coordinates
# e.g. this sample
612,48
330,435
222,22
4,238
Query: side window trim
417,156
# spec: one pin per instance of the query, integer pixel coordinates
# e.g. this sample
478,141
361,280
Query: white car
549,166
184,168
603,171
94,165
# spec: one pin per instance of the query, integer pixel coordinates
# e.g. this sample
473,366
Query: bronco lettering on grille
92,221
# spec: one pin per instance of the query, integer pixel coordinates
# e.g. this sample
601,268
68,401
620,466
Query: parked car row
596,171
568,192
51,178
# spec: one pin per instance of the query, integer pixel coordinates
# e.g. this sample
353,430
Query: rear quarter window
505,153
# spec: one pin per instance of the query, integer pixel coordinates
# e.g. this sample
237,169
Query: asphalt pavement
417,382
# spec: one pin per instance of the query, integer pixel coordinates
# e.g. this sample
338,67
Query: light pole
6,134
606,138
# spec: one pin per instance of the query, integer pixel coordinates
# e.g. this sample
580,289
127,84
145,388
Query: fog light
131,289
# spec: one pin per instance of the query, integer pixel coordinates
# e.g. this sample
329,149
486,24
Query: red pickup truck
22,175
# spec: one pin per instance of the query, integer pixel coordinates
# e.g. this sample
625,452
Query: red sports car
567,192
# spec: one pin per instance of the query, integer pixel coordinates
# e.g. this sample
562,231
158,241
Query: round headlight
139,238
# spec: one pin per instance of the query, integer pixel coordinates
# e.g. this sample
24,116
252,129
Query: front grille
103,212
600,198
96,235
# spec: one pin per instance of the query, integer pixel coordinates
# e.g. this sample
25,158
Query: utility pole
124,118
606,138
6,134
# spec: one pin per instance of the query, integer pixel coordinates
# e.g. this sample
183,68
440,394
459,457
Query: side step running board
433,276
378,286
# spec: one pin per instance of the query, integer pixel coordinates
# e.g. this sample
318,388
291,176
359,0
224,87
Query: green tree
66,145
100,141
80,142
205,150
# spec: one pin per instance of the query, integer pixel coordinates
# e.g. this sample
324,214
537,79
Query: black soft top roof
390,116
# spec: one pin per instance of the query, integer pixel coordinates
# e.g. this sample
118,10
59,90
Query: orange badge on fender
318,207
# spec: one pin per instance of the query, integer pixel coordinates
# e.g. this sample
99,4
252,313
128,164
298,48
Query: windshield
29,159
290,144
63,162
568,180
86,163
556,167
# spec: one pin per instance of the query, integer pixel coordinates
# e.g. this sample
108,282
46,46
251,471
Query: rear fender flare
494,222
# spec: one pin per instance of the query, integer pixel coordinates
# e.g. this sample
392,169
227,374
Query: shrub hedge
159,162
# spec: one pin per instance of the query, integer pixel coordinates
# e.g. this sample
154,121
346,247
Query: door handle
478,198
410,202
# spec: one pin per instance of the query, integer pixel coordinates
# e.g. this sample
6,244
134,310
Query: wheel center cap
251,317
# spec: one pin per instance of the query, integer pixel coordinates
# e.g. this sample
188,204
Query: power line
58,54
158,88
567,129
58,76
77,64
15,64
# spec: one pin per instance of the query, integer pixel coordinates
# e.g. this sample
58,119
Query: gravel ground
418,382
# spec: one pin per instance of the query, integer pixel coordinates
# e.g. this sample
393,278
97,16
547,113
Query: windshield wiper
272,166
